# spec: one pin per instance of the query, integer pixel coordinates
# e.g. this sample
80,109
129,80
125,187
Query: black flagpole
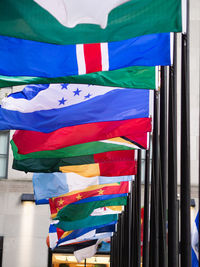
185,151
130,221
154,219
138,213
163,168
172,165
145,261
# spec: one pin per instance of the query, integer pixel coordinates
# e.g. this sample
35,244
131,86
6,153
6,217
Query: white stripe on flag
119,143
104,56
80,59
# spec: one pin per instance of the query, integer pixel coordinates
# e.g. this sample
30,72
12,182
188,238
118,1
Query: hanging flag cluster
87,105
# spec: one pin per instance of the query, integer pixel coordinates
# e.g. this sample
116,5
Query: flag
54,164
87,251
113,144
57,203
58,237
49,185
77,211
130,77
43,107
113,168
68,60
31,141
195,242
87,222
67,22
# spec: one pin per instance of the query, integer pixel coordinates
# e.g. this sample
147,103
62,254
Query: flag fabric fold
68,60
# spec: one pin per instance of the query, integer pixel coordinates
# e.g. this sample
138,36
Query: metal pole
138,213
130,221
163,168
133,239
173,239
146,212
49,257
154,233
185,151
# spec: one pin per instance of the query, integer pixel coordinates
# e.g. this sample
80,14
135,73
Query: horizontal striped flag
54,164
118,143
67,22
31,141
111,168
67,60
57,203
49,185
130,77
43,107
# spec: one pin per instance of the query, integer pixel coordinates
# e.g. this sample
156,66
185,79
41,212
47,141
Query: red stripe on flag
92,54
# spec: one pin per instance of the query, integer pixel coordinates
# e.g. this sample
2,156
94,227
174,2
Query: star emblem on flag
62,101
101,192
78,197
64,86
77,92
60,202
88,96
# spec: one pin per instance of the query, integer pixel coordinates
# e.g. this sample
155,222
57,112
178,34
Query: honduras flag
195,242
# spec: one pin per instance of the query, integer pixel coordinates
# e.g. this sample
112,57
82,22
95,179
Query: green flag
131,77
70,22
75,212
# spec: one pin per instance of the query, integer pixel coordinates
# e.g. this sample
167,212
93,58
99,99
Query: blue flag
29,58
195,242
46,108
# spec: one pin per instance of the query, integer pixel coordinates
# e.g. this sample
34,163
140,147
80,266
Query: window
4,146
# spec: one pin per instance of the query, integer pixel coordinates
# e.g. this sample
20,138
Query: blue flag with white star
46,108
